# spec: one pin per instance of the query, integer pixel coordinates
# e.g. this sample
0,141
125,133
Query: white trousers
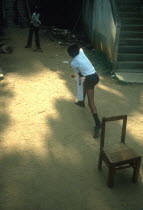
80,81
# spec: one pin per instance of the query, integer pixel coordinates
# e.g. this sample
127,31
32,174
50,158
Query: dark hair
73,50
36,9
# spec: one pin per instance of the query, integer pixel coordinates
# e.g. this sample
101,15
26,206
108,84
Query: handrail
28,9
114,11
118,28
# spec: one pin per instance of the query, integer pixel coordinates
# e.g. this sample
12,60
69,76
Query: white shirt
81,64
35,19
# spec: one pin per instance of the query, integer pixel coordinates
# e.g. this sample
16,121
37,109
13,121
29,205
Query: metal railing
118,29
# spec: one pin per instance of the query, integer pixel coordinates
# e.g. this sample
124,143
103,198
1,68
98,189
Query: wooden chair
122,158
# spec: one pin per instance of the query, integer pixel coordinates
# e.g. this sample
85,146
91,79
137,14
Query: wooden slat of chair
121,155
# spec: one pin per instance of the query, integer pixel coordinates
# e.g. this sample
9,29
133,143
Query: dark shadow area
5,95
63,175
62,14
26,62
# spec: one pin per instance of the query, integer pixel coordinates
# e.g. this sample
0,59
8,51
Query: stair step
131,42
130,9
128,0
130,57
132,27
132,20
130,70
131,34
131,49
130,65
130,14
126,70
129,3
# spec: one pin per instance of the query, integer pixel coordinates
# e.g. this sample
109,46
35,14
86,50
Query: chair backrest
114,118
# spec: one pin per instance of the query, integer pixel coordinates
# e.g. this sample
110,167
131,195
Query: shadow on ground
63,175
5,95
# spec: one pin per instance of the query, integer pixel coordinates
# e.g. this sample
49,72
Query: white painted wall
99,24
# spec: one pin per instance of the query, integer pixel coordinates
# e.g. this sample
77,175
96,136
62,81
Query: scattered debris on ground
5,49
65,36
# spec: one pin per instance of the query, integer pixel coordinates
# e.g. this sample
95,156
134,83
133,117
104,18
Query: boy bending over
83,67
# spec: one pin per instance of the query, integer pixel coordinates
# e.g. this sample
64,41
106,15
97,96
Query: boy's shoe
38,49
80,103
97,130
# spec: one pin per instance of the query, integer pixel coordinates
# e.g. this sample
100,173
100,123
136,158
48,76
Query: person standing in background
34,28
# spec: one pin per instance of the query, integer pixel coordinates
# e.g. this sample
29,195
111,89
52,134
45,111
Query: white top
81,64
35,19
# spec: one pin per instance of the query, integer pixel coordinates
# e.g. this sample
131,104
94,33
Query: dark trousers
34,30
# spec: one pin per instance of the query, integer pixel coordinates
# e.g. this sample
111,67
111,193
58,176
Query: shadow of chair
121,158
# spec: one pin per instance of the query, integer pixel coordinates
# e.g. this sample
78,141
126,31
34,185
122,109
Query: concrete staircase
16,13
130,51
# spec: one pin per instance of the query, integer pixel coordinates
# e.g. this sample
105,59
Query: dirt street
48,156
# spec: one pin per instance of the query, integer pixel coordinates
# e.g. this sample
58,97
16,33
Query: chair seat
123,154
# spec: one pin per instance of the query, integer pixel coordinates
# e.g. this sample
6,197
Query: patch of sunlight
110,90
134,126
109,52
36,100
101,46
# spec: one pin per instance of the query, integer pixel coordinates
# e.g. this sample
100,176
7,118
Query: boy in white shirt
83,66
34,28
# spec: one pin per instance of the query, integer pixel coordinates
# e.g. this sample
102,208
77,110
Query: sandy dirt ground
48,156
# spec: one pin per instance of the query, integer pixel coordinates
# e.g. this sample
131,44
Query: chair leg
136,170
100,161
111,173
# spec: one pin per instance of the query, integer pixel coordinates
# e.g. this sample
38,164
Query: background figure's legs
37,40
29,42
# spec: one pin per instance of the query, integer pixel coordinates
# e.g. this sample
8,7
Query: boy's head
36,9
73,50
